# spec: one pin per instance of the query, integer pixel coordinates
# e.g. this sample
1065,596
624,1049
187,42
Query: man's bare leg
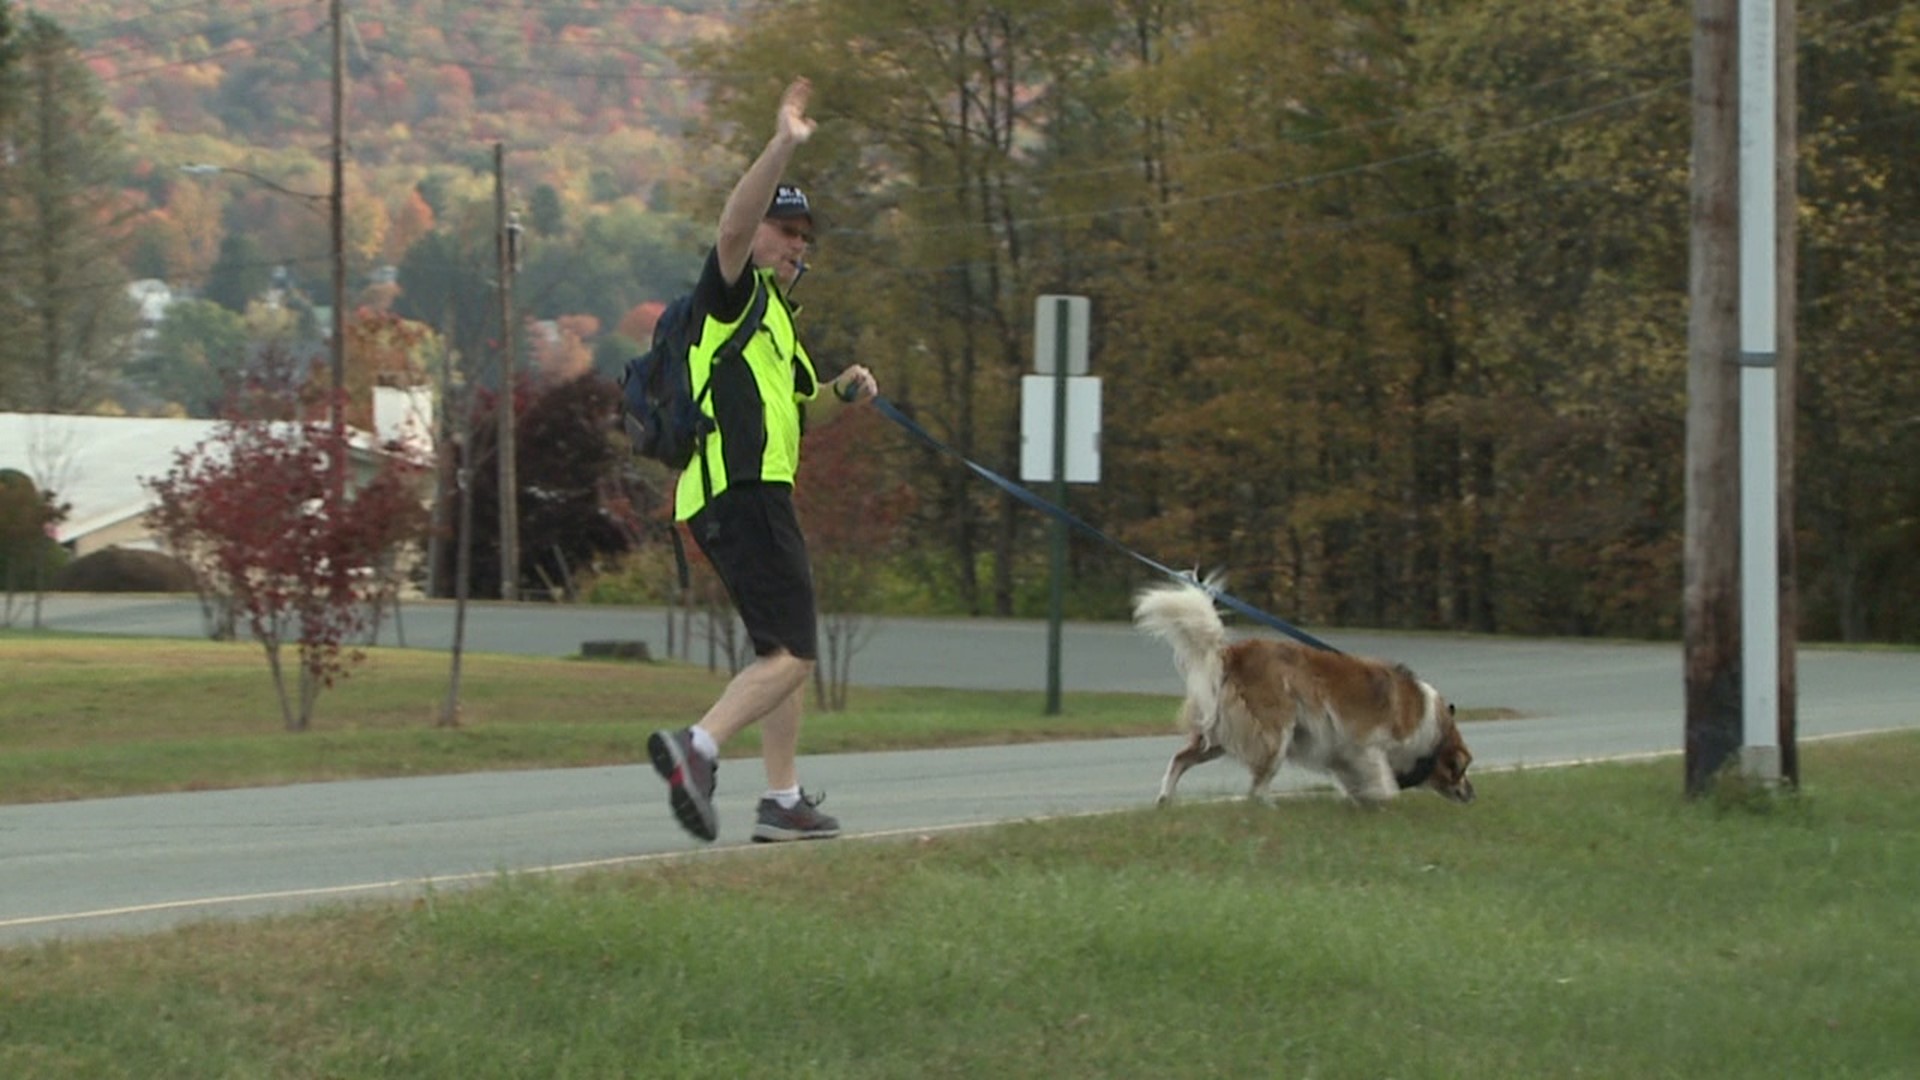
771,685
780,741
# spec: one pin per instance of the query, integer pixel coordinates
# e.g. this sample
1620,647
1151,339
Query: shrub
120,570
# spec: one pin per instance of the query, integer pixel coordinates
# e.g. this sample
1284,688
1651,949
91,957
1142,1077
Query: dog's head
1444,768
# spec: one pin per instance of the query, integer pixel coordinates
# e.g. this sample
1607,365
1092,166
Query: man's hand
792,123
856,384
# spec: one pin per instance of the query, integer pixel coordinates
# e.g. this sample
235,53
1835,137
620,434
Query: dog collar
1416,776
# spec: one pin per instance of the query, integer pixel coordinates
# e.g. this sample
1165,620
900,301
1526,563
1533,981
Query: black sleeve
715,297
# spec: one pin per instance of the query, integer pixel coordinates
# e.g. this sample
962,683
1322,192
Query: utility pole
1786,171
508,248
1769,596
1759,400
443,449
337,207
1711,597
1741,594
462,551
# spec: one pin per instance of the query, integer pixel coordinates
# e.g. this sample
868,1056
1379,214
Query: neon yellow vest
782,378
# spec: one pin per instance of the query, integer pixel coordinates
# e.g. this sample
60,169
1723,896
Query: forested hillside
429,81
587,100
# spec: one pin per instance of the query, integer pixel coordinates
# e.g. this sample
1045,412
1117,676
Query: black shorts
752,537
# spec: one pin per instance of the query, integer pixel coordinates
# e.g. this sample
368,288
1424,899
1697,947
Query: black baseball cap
790,202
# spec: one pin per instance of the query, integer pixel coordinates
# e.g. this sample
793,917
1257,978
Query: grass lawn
1583,922
1572,923
84,716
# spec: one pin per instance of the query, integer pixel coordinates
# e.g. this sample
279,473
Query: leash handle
891,412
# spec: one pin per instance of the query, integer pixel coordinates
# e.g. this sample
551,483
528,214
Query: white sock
703,742
788,798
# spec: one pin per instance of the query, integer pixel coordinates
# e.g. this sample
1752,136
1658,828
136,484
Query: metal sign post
1759,398
1061,326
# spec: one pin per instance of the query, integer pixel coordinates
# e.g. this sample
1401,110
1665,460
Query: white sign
1048,345
1083,429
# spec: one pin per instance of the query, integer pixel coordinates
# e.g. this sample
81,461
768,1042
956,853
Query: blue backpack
663,414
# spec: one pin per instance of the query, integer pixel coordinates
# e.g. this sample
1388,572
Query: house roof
99,464
95,463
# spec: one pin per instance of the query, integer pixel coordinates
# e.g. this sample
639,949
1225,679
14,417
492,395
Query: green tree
240,273
549,217
28,555
200,350
618,259
611,353
72,322
446,282
1859,440
1566,130
12,377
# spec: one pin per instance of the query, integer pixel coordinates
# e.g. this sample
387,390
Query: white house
152,297
98,464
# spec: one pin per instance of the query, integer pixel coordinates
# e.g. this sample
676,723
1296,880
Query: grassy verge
1571,923
84,716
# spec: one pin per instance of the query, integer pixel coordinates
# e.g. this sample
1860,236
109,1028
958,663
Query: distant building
151,298
98,464
403,416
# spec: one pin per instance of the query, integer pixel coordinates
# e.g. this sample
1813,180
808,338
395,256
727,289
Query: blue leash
892,413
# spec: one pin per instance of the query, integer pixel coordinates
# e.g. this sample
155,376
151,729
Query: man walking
737,495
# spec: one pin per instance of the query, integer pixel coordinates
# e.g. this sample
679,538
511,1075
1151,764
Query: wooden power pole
1711,597
1785,173
509,481
337,230
1741,631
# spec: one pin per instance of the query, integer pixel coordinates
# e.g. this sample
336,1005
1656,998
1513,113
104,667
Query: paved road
141,863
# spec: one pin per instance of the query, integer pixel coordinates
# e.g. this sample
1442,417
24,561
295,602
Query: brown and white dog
1372,726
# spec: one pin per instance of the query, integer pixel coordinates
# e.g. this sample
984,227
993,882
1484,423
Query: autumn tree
572,498
384,350
562,354
411,219
853,506
250,509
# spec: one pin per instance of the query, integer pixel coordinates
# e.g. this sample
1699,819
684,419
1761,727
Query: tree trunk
287,719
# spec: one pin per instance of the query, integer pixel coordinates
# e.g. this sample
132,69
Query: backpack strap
735,346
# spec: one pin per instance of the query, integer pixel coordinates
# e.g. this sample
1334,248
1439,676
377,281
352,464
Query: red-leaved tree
851,506
250,510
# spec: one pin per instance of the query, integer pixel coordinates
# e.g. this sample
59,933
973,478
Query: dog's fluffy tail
1183,615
